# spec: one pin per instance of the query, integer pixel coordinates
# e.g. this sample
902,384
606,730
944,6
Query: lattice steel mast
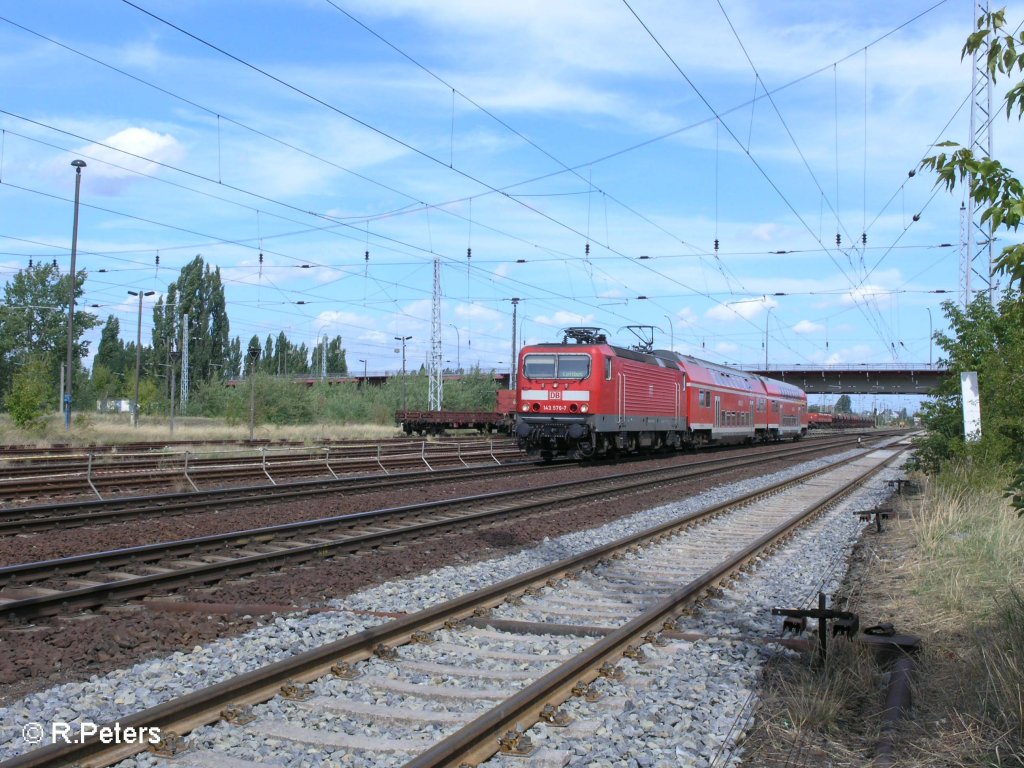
976,240
436,391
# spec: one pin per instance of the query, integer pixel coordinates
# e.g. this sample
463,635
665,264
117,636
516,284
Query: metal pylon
436,390
976,239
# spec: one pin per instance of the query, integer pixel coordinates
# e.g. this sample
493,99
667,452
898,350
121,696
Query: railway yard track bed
677,700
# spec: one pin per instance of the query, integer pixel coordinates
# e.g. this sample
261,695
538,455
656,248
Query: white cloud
806,326
127,153
562,319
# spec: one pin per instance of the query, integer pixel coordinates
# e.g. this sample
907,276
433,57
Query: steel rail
185,713
159,471
495,505
478,740
49,516
29,518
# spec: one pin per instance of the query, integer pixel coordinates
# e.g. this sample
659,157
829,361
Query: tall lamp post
138,355
458,348
174,354
672,331
767,315
403,339
364,370
78,165
929,336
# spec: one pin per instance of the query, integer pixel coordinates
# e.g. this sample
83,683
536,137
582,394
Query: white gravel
692,704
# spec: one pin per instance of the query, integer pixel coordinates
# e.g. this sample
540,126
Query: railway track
447,687
88,581
34,518
118,473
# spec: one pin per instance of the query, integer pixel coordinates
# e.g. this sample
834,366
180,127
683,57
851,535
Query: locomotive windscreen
550,366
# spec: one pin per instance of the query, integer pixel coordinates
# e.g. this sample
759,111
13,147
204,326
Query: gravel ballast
816,563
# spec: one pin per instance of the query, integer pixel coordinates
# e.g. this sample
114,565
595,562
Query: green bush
31,395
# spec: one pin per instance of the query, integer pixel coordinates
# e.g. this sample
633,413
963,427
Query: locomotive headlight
584,408
526,407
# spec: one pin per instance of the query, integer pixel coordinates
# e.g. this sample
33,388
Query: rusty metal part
385,651
879,514
823,614
171,745
293,690
897,705
345,671
588,691
555,717
238,714
636,653
516,743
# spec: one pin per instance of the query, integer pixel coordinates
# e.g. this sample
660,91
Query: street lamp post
767,315
403,339
78,165
364,370
929,336
672,331
515,350
174,354
458,349
138,355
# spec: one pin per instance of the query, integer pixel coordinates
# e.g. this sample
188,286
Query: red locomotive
591,398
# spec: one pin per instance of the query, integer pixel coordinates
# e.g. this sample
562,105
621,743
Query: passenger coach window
539,367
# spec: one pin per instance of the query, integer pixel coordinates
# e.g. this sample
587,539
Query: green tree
991,184
111,352
989,340
34,320
843,404
198,293
32,394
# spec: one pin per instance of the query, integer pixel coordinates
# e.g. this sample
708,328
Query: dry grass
950,568
108,429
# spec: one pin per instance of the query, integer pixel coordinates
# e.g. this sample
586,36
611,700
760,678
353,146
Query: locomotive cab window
573,366
556,366
539,367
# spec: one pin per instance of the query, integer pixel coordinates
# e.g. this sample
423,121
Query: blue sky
325,129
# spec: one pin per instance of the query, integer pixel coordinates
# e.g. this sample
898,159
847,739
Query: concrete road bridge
866,379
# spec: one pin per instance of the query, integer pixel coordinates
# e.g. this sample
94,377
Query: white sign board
972,405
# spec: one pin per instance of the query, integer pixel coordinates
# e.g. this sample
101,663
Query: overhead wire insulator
469,253
839,239
586,250
30,262
716,245
863,238
55,264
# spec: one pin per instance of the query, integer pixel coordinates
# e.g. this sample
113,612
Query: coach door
718,411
